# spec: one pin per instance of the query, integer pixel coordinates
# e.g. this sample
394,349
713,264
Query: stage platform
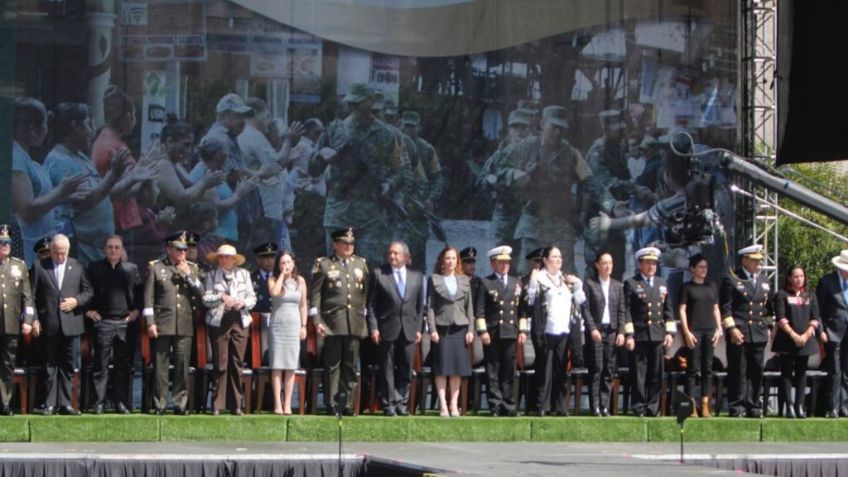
272,428
420,459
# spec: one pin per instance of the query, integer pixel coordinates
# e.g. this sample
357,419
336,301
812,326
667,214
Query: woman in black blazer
450,318
796,312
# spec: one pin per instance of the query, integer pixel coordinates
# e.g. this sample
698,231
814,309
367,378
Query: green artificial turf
269,427
105,428
715,429
14,429
588,429
255,428
797,430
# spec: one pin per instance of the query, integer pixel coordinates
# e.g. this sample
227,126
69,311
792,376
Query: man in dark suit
114,309
832,295
499,324
266,255
61,292
649,328
395,312
747,308
16,303
468,258
337,305
603,314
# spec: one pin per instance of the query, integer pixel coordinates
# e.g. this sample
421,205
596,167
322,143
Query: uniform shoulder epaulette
152,262
191,264
17,260
359,258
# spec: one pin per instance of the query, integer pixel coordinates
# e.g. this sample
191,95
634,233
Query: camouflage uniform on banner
507,208
610,179
362,175
423,186
543,179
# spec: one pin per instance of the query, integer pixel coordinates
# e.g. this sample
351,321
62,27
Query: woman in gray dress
288,327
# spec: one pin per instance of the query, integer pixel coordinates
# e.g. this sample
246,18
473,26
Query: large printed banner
527,123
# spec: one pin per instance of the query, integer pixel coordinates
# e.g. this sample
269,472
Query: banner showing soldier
545,139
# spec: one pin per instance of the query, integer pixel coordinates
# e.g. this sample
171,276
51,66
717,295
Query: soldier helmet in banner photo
528,106
611,119
5,236
518,118
556,115
345,235
358,92
411,118
468,254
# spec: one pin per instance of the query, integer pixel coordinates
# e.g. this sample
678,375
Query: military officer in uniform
172,291
17,302
468,261
499,325
364,159
42,248
747,308
649,327
265,255
337,301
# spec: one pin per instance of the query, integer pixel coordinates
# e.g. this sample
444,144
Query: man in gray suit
61,292
394,323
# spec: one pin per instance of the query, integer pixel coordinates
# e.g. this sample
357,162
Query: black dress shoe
799,412
402,411
389,412
69,411
7,411
238,412
496,412
562,413
605,412
181,411
828,414
543,413
736,413
97,409
509,412
49,410
120,408
596,412
347,412
790,411
755,413
651,413
843,412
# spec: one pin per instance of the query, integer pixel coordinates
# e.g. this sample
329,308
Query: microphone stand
341,401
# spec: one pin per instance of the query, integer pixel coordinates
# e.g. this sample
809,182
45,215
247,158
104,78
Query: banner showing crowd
470,122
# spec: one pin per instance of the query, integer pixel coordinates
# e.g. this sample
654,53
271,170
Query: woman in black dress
700,322
796,312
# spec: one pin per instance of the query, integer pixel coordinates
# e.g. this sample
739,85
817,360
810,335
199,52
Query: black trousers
62,352
8,352
836,364
646,380
699,366
500,373
793,374
745,376
341,354
396,358
112,346
552,374
601,362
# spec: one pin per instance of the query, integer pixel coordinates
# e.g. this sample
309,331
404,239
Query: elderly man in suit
832,295
746,303
61,292
114,308
604,318
395,313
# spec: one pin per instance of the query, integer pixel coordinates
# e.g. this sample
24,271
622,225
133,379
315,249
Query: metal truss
759,122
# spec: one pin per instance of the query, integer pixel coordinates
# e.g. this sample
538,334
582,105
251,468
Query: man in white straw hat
499,325
832,295
229,297
649,327
747,310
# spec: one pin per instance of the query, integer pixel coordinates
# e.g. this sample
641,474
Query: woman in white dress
287,327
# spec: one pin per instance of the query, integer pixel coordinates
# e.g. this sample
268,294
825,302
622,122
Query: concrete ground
488,459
